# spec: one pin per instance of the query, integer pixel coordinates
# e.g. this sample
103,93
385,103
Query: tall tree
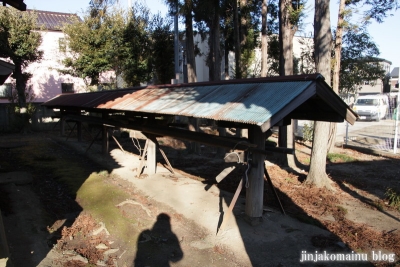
359,62
207,15
322,54
290,14
162,49
264,39
19,42
137,66
190,48
378,10
92,43
185,9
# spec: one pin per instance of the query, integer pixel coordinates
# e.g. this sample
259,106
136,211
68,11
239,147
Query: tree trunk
264,40
336,69
226,59
322,42
286,33
285,40
238,73
20,84
216,44
190,57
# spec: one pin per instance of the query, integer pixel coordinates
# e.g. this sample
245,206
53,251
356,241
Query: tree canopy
359,62
92,44
19,42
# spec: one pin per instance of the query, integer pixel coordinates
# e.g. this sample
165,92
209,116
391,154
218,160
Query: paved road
373,134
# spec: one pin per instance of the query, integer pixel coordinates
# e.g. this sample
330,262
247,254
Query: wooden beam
79,129
255,183
213,140
105,139
151,161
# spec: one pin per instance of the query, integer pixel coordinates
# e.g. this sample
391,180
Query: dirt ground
50,222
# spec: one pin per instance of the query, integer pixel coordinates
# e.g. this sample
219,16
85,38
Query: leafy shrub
308,131
393,197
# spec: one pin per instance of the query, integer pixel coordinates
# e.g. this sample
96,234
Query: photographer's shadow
158,246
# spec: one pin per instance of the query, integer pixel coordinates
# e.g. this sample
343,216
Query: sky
385,34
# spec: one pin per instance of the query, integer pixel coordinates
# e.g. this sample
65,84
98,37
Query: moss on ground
100,199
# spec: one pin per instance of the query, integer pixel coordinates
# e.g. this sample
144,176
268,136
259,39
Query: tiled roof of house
53,20
395,72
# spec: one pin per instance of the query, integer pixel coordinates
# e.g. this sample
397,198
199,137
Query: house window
67,88
62,45
5,90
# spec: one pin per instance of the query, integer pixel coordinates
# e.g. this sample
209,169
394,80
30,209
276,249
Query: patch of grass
393,197
44,155
289,180
342,210
100,199
336,157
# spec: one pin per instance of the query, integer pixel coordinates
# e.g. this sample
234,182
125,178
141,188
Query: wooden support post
255,189
142,159
79,129
106,143
151,157
62,125
72,130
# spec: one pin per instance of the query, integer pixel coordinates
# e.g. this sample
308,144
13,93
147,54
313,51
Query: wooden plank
213,140
151,157
255,184
106,142
231,206
142,159
118,144
224,173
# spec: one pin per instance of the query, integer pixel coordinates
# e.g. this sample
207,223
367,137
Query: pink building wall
46,79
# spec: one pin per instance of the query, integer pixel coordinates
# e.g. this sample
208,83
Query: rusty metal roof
262,102
53,20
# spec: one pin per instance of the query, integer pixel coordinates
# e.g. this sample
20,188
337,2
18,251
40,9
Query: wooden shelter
254,104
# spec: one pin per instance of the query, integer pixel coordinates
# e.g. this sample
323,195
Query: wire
138,147
246,184
239,161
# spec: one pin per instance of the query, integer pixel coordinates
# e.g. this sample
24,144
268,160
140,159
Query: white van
371,107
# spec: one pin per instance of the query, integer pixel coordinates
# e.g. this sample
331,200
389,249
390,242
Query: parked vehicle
371,107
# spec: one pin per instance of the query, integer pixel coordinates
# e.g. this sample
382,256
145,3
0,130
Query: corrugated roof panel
240,102
265,101
252,101
139,100
180,102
